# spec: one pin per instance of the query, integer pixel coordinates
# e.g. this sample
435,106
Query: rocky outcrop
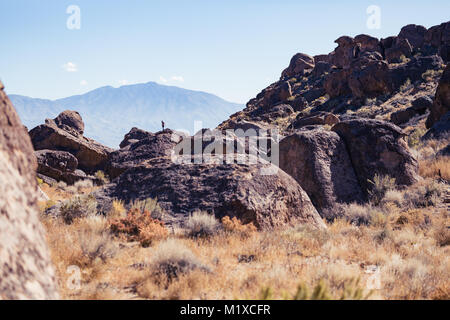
138,147
64,134
319,162
369,76
71,122
300,63
377,147
438,37
259,193
441,103
440,129
419,107
315,118
133,136
25,266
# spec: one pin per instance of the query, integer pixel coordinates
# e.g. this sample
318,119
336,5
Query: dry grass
396,249
435,168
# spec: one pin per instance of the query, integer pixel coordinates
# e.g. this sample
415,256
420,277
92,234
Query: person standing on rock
163,125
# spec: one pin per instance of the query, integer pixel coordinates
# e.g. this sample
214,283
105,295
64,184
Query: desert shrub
61,185
377,218
117,209
101,177
234,225
380,185
95,240
393,196
357,214
414,137
78,207
305,231
427,193
442,235
139,226
404,87
351,291
83,184
171,259
202,224
150,205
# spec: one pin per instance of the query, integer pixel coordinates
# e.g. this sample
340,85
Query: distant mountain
109,113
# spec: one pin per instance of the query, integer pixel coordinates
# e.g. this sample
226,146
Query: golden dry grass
435,168
409,248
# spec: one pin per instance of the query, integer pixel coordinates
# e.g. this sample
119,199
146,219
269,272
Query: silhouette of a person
163,124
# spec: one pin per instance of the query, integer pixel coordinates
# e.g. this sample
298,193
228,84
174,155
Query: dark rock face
439,37
299,64
70,121
377,147
148,146
25,266
415,34
316,118
440,129
135,135
397,48
336,83
369,77
240,190
319,162
418,107
413,70
55,163
91,155
441,103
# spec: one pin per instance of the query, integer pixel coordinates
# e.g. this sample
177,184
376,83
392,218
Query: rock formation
25,266
225,189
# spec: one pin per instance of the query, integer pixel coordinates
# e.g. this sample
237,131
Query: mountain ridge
110,112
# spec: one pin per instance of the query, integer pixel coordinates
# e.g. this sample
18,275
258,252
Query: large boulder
26,271
399,48
336,83
439,37
148,147
441,103
415,34
252,190
418,107
377,147
133,136
91,155
369,76
300,63
54,164
440,129
344,53
319,162
70,121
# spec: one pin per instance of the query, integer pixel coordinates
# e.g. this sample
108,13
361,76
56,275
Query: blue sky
230,48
